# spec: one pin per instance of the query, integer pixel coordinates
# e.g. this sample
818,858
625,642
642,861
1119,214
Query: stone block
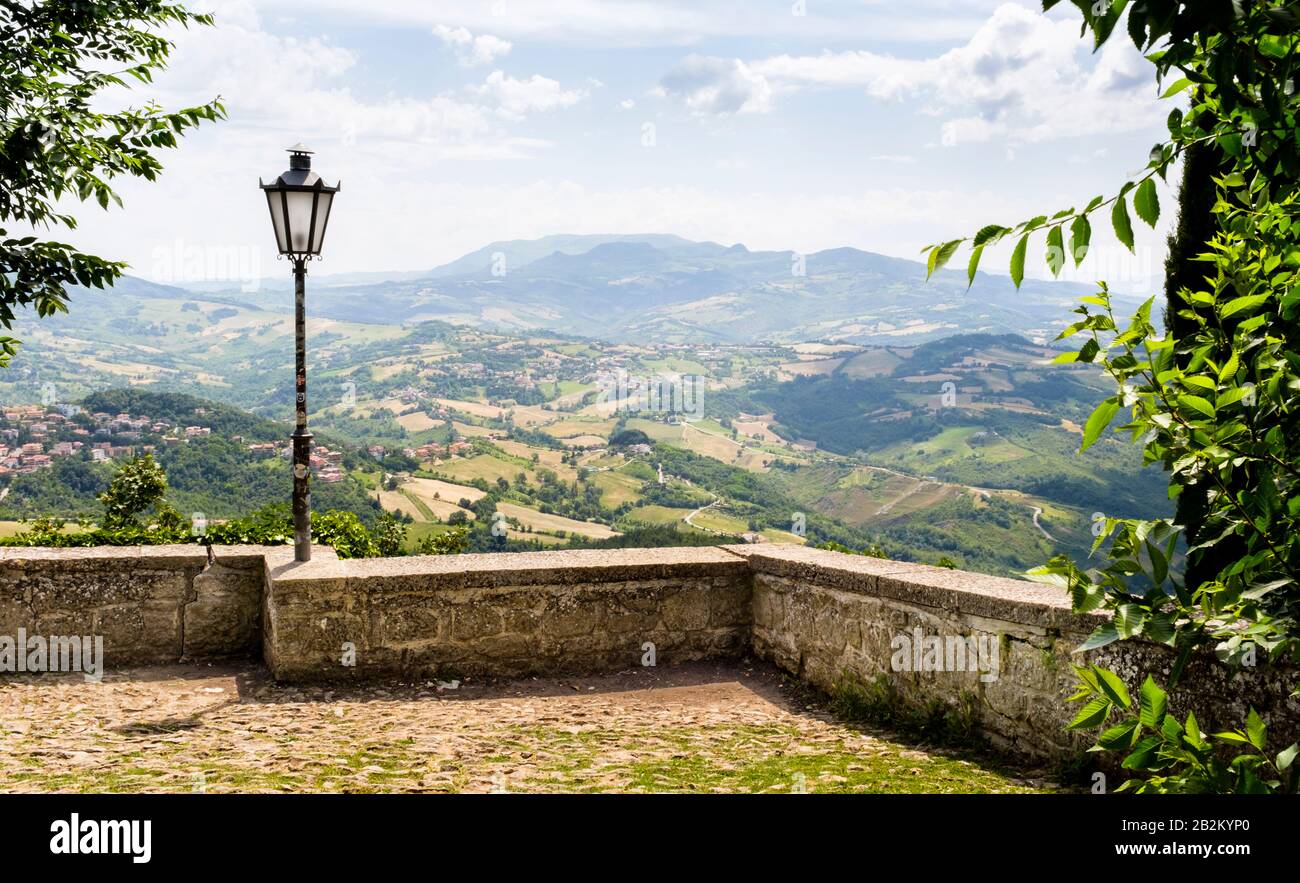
686,608
414,622
15,615
224,617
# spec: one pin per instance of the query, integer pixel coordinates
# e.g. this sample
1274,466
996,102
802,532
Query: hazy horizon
793,126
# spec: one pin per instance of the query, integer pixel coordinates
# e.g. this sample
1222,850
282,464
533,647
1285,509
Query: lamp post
300,203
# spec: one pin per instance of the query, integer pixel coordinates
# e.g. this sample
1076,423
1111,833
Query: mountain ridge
665,288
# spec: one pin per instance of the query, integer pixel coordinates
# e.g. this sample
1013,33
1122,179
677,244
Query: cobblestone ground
733,728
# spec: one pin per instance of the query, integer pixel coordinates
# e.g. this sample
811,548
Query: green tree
139,485
345,533
389,535
450,542
1214,400
1191,238
57,57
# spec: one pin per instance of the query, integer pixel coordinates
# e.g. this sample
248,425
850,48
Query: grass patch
879,702
773,758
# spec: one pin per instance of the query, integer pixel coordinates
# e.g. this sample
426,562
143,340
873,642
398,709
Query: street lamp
300,203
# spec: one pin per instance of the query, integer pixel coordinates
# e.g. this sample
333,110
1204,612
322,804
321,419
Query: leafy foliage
1214,401
56,58
1237,62
185,410
345,533
450,542
872,551
140,483
269,526
1177,757
1217,411
389,536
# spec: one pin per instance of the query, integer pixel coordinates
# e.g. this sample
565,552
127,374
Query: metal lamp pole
300,203
301,435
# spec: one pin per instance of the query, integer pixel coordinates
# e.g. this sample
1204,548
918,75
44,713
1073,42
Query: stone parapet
506,615
1004,647
150,604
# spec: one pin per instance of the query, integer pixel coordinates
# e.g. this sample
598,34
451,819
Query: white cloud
852,69
410,202
472,51
707,86
302,89
516,98
1028,77
1021,75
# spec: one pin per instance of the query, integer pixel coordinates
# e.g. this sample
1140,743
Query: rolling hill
655,288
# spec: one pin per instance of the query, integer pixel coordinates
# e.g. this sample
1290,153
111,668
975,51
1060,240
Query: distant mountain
658,288
520,252
136,287
668,289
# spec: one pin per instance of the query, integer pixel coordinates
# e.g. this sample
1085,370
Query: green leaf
1255,730
1128,620
1055,250
1146,203
1098,422
1120,737
972,267
990,234
1119,219
1176,87
1236,394
1159,563
1237,304
1171,730
1093,714
939,256
1159,627
1142,755
1230,367
1080,237
1287,756
1198,403
1259,590
1085,596
1100,637
1113,687
1152,702
1018,260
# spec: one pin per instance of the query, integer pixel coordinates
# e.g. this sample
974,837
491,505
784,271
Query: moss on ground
770,758
717,736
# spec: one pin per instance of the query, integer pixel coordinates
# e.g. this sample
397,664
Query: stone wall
151,604
505,615
826,616
822,616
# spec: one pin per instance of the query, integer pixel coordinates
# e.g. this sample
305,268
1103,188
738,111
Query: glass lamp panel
277,219
300,204
324,200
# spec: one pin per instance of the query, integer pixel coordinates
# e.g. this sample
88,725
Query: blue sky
782,125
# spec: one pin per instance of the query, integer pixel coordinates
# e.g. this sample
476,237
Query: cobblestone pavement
736,727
